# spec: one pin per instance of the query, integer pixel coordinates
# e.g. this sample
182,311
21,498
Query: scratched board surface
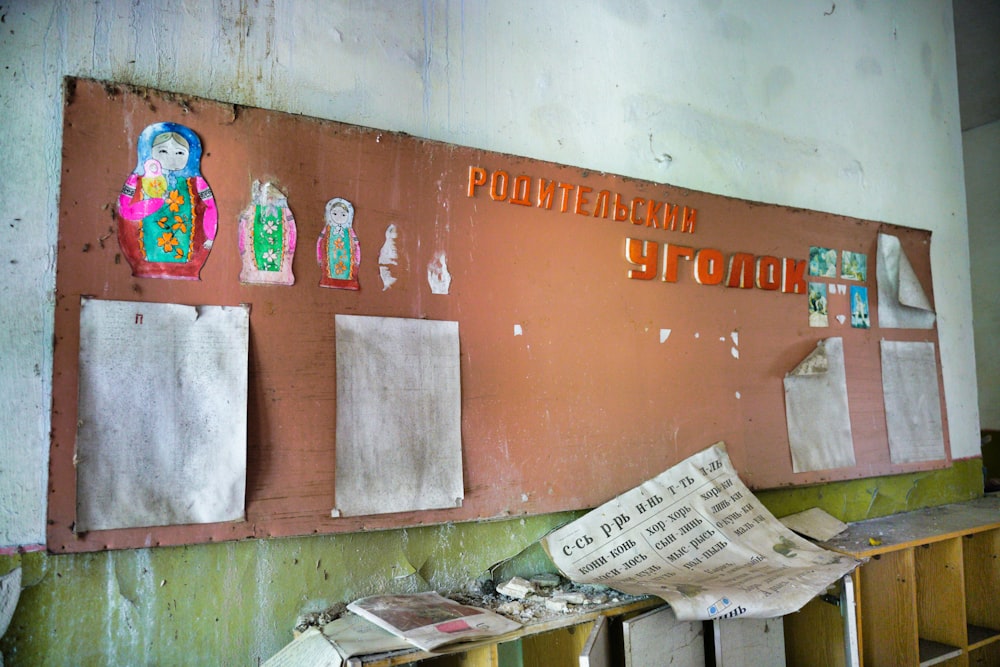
582,373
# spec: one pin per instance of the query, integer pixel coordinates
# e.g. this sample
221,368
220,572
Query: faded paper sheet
815,523
162,432
399,415
912,401
696,536
310,649
816,410
902,303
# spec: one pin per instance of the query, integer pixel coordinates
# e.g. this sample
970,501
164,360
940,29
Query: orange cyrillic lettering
670,263
643,253
546,191
621,212
652,210
602,204
634,206
768,272
499,176
688,220
793,276
740,270
709,267
477,176
581,201
564,202
519,193
670,216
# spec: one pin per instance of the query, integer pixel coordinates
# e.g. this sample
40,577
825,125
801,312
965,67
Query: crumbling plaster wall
847,107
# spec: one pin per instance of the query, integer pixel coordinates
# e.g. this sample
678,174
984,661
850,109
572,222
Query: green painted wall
236,603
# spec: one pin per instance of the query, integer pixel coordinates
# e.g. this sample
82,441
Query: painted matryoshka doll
267,238
338,250
167,217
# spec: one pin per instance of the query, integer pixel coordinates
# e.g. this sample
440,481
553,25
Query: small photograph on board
167,218
267,237
854,266
817,305
859,307
822,262
338,250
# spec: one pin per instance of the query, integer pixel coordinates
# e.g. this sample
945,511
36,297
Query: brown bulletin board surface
583,404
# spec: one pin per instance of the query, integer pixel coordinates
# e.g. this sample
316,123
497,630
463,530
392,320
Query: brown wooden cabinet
928,594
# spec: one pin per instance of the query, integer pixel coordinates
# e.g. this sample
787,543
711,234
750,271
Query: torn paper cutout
266,237
437,274
167,218
696,536
664,335
817,305
859,307
854,266
902,303
912,401
337,249
388,257
815,523
816,410
399,430
162,419
822,262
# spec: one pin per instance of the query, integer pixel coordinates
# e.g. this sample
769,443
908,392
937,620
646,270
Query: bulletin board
582,373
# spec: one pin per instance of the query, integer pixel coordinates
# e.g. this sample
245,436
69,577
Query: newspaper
697,537
429,620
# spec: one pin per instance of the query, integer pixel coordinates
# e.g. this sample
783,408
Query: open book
429,620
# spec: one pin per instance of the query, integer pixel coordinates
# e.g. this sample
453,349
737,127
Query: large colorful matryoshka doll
167,214
337,250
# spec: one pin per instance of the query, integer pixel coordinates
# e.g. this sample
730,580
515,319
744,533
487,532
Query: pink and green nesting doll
167,218
267,237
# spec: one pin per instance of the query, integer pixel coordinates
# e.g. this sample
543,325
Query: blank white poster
399,416
162,414
912,401
816,410
657,638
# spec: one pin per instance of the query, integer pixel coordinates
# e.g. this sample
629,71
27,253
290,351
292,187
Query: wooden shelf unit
929,593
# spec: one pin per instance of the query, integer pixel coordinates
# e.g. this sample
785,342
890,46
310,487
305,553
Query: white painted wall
848,107
982,177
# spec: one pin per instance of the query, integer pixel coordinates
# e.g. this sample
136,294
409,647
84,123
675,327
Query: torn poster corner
902,302
695,535
815,363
